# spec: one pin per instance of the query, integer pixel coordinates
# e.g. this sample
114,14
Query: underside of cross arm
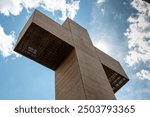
49,25
110,62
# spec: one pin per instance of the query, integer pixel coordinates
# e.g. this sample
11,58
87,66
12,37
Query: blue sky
121,28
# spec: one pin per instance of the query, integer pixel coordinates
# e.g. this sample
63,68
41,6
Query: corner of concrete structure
66,24
27,25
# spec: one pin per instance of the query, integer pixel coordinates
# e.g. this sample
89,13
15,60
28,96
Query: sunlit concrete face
81,70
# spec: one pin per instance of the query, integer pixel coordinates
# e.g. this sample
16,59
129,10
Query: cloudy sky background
121,28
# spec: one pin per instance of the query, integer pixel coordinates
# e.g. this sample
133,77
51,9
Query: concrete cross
82,71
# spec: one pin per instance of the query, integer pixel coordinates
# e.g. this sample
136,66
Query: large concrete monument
82,71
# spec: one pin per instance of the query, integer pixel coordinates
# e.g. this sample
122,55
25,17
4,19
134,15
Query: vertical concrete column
68,80
87,79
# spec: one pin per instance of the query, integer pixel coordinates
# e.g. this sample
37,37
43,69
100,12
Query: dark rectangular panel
116,80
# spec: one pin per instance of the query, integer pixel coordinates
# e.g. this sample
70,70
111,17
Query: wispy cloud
98,36
100,1
144,74
104,33
14,7
138,35
7,43
101,43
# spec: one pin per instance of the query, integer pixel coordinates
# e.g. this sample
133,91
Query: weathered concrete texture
69,83
81,70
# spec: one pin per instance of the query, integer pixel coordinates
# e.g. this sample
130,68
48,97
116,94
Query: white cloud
144,74
67,9
29,4
100,1
7,43
10,6
14,7
138,34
